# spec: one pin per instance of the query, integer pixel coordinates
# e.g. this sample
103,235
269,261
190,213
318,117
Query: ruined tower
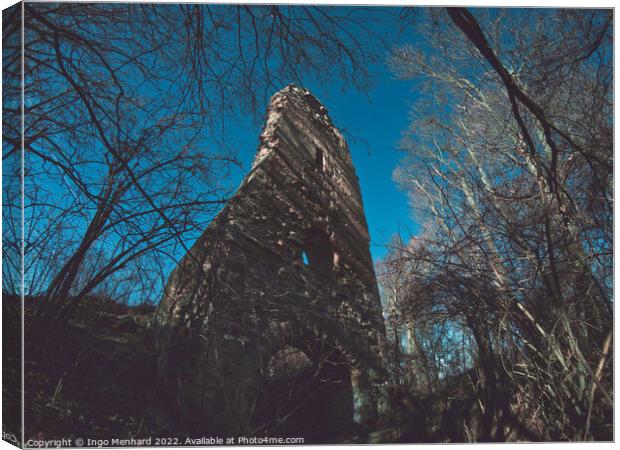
272,324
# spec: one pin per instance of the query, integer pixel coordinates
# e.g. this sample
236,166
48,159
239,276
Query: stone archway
307,392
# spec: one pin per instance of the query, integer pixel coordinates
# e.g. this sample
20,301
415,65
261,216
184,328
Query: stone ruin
272,324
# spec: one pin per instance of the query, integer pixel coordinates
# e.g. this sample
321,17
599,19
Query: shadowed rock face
285,265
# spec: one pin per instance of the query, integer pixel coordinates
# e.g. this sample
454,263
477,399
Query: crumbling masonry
272,323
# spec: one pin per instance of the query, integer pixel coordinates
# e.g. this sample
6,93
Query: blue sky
371,120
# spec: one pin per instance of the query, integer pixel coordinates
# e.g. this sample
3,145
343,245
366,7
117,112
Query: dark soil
98,380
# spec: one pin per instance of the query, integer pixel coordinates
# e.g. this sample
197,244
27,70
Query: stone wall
286,264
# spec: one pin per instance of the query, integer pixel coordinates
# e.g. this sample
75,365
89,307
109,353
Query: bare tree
127,108
511,159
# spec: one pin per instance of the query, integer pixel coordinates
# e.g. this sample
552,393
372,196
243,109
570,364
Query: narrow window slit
319,159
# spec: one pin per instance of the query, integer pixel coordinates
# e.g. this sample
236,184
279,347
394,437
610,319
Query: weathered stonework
280,292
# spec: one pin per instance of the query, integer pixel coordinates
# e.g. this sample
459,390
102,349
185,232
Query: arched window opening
308,393
319,159
317,251
287,363
304,258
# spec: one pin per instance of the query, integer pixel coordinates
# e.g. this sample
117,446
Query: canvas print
288,224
